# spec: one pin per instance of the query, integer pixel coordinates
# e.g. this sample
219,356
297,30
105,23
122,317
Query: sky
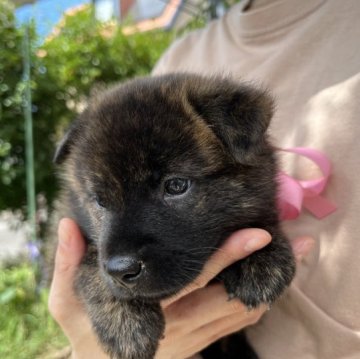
46,13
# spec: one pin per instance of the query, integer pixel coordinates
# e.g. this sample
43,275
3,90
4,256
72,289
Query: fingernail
302,248
256,243
297,248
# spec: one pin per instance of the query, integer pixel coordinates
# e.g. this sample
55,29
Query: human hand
197,316
64,306
201,313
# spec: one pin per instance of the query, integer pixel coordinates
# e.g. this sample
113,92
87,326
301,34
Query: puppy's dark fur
118,159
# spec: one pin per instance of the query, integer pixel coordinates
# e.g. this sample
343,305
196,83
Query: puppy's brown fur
158,172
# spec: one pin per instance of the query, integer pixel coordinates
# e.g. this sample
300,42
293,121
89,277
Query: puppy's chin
140,292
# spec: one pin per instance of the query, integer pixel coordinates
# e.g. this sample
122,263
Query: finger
302,246
201,307
210,333
239,245
71,248
64,306
208,304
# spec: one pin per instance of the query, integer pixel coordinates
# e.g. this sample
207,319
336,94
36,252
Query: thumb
64,306
70,250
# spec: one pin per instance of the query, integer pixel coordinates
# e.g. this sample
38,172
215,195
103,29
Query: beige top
308,53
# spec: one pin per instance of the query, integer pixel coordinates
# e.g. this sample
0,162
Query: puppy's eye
177,186
99,201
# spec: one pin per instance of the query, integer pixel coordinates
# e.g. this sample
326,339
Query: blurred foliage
26,328
78,55
12,169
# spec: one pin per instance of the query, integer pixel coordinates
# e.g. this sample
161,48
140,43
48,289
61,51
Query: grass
26,328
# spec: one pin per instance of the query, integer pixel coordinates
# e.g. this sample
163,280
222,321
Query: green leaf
8,295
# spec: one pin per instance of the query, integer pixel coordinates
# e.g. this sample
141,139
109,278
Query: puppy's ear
64,147
239,115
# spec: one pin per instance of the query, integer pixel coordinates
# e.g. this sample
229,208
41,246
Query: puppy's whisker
194,261
208,250
206,271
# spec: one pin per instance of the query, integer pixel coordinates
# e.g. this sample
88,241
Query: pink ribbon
295,194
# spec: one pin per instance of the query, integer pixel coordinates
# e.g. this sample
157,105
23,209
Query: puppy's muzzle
125,270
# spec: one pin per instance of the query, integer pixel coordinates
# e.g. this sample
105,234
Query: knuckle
236,305
59,303
197,284
55,309
221,260
62,310
62,267
193,286
254,317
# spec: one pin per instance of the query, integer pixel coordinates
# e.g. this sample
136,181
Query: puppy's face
160,171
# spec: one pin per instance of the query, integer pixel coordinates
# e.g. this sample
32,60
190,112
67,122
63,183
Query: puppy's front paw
129,330
125,329
261,277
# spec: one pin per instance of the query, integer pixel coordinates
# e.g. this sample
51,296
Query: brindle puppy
158,172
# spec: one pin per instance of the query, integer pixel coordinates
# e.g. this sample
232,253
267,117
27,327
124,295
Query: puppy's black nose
126,270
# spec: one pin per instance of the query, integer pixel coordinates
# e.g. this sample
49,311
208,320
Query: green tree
12,171
78,55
